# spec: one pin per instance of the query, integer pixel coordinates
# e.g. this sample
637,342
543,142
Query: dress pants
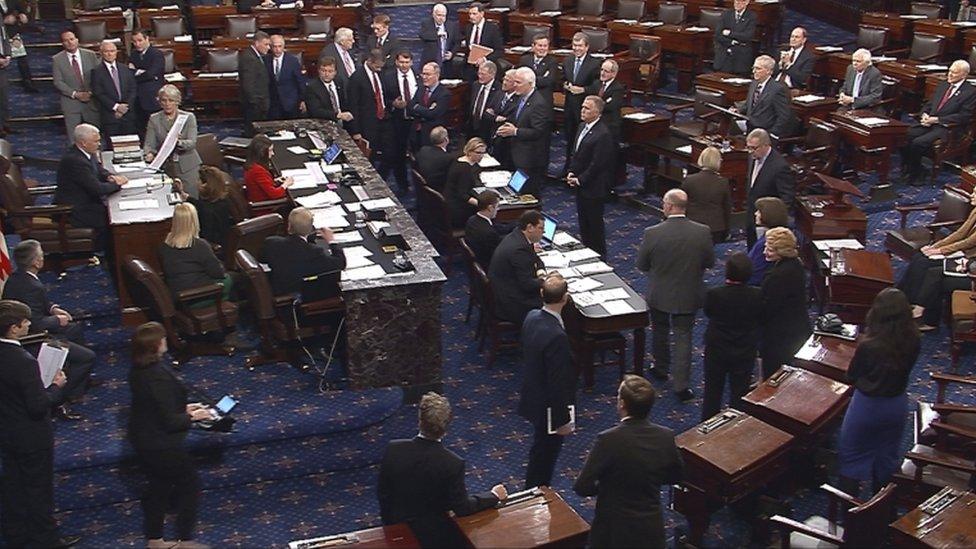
589,211
920,140
27,499
662,323
172,478
80,363
401,142
717,368
542,456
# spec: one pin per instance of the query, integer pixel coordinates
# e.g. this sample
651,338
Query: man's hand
726,32
301,107
572,180
150,156
931,251
448,55
122,108
61,312
200,414
4,61
326,234
566,429
346,117
399,103
83,96
500,119
506,130
60,379
499,491
845,99
63,320
118,179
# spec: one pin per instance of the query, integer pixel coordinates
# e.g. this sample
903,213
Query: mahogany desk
394,536
830,356
342,16
953,526
802,403
900,29
911,81
851,291
114,20
818,219
730,84
212,18
219,95
946,28
967,180
872,145
459,101
725,464
832,67
968,41
636,136
542,521
517,20
688,47
735,164
182,51
820,108
276,18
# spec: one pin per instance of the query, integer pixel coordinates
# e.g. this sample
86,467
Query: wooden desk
851,291
212,18
829,356
818,219
219,96
967,178
543,521
968,41
872,145
182,51
832,67
276,18
944,27
342,16
456,114
688,47
735,164
114,20
911,81
802,403
821,108
730,84
394,536
900,29
637,135
726,464
953,526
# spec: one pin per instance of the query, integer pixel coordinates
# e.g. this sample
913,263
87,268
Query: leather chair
249,235
705,120
209,150
630,9
925,48
419,181
954,146
972,57
938,423
312,23
165,28
873,39
475,299
850,522
539,6
591,8
645,62
928,9
239,26
529,32
928,469
817,152
187,327
512,5
672,13
599,39
90,31
710,17
962,326
221,60
500,334
950,211
94,5
169,60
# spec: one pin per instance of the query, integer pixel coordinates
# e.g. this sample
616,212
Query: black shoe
918,181
685,396
66,414
659,374
68,541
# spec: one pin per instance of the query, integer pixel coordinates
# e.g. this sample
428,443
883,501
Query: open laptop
549,226
514,187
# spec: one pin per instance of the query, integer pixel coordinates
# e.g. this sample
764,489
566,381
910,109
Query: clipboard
477,53
552,430
50,360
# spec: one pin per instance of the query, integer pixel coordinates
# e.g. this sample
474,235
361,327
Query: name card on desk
626,21
809,98
183,38
911,16
639,116
553,13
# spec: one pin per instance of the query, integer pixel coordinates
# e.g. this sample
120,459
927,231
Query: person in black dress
158,422
786,323
213,206
462,178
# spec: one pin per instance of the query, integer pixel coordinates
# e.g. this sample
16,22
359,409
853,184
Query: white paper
626,21
139,183
296,149
554,260
357,251
839,243
552,13
809,350
287,6
317,200
352,207
333,217
652,23
611,294
451,81
174,77
618,307
698,29
138,204
584,285
964,23
357,261
584,299
360,192
563,239
685,150
933,67
126,168
50,360
520,49
488,161
735,80
318,36
808,98
639,116
331,168
283,135
566,272
169,144
364,273
883,58
499,10
871,121
593,268
581,255
495,179
317,173
378,204
183,38
829,49
348,237
911,16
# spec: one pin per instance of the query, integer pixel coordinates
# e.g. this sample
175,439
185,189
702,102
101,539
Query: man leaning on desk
862,87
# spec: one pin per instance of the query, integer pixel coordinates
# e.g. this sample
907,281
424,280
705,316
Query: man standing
527,131
371,103
286,82
26,439
383,40
795,64
326,99
480,231
862,87
625,471
767,103
341,51
612,92
768,174
733,38
675,254
253,75
545,66
591,169
429,105
548,395
114,87
580,70
71,70
149,66
480,32
500,147
516,271
405,81
485,95
440,38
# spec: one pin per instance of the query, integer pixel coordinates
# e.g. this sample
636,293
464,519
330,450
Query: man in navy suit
114,87
527,130
440,38
482,32
486,93
429,105
767,103
405,81
580,71
733,38
372,100
795,64
382,39
591,171
326,99
286,81
149,66
768,174
548,381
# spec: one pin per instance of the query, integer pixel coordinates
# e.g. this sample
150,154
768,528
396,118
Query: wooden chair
926,470
873,39
705,120
955,146
817,152
849,522
238,195
475,299
631,9
437,225
943,424
951,210
249,235
494,329
642,68
962,321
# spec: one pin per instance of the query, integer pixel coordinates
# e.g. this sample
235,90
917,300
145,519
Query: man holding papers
481,39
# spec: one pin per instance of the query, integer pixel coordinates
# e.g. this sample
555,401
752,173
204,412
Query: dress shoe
65,413
68,541
685,395
160,543
659,374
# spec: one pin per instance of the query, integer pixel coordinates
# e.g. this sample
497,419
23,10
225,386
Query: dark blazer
83,186
514,283
785,321
363,104
256,95
431,115
420,481
958,109
589,72
25,405
548,375
593,162
332,51
148,83
491,37
772,110
292,258
391,46
318,104
215,219
462,178
613,99
158,418
103,88
482,237
433,163
287,90
483,127
625,471
675,254
188,268
734,312
529,146
25,288
735,57
871,88
774,179
799,71
709,199
547,73
432,42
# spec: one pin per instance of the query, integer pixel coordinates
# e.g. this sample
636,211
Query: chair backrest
209,150
14,198
165,28
238,197
239,26
928,9
149,290
953,206
91,30
169,60
92,5
599,38
873,39
470,260
539,6
589,7
710,17
435,215
529,32
221,60
510,4
972,57
484,282
703,96
925,46
250,234
644,47
863,523
630,9
672,13
258,287
313,23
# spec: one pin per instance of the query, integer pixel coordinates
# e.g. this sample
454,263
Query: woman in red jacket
259,182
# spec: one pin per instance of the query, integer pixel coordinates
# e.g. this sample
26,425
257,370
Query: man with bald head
675,254
796,62
114,87
862,87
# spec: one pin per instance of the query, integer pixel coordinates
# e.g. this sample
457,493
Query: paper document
316,170
593,268
175,77
183,38
583,285
584,299
698,29
499,10
378,204
617,307
488,161
684,150
127,168
349,237
626,21
169,144
808,98
296,149
566,272
838,243
809,350
563,239
140,183
283,135
334,217
552,13
552,428
317,200
357,251
883,59
964,23
829,49
521,49
611,294
50,360
639,116
138,204
933,67
477,53
352,207
318,36
451,81
652,24
911,16
364,273
871,121
581,255
495,179
554,260
360,192
734,80
356,262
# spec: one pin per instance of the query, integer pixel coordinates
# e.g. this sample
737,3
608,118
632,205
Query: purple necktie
115,79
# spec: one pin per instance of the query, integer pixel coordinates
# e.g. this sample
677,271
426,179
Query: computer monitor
331,153
548,228
517,181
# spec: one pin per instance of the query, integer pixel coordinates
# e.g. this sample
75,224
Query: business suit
403,85
481,117
675,254
82,183
773,179
319,103
292,258
428,110
433,46
390,47
342,73
870,88
613,95
27,451
798,70
491,37
514,283
956,109
592,163
433,163
4,85
547,73
185,161
625,471
482,237
152,65
588,73
286,88
734,312
377,128
548,389
67,83
734,53
501,147
770,109
709,202
785,320
529,147
255,96
107,96
419,482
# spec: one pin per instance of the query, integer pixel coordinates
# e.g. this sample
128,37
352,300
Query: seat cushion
207,317
803,541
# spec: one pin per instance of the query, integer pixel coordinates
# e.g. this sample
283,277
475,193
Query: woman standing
709,195
785,321
462,178
158,422
870,437
259,181
771,212
184,162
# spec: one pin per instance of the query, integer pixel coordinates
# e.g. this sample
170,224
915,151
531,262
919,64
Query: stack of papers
553,13
810,349
933,67
838,243
175,77
303,179
871,121
639,116
378,204
581,285
566,272
652,23
554,260
736,80
488,161
350,237
451,81
360,192
883,58
598,55
617,307
581,255
499,10
563,239
363,273
352,207
964,23
318,36
596,267
333,217
495,179
808,98
318,200
520,49
627,21
829,49
316,170
911,16
611,294
357,257
296,149
283,135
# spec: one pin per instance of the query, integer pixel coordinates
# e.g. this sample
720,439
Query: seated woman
188,261
462,178
259,181
785,321
709,195
771,212
213,206
924,282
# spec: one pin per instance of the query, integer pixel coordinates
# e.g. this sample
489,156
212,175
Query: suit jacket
362,102
772,110
734,53
433,163
420,481
432,42
483,127
785,320
529,146
332,50
548,375
158,418
613,98
799,71
148,82
186,144
709,199
547,73
871,88
318,104
27,289
491,37
25,405
292,258
433,114
106,96
251,69
675,254
958,109
589,72
593,162
734,314
483,237
773,179
67,82
286,91
625,471
391,46
83,186
514,283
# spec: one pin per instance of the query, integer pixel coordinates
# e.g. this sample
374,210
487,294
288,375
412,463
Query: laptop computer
549,226
515,185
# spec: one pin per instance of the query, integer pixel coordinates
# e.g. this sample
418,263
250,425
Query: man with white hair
527,130
341,51
766,104
439,36
114,87
862,87
951,104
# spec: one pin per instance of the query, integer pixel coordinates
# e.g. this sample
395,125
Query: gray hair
614,66
527,73
300,222
765,62
438,135
26,252
760,135
677,198
439,7
960,63
342,33
85,131
170,92
491,66
434,415
862,52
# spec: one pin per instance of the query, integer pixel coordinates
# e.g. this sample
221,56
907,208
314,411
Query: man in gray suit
72,77
862,87
253,74
675,254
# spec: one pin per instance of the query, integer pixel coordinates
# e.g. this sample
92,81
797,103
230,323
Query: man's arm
588,481
459,501
523,265
560,382
154,69
602,155
870,93
538,126
785,185
61,79
747,32
428,31
965,112
37,400
784,116
644,253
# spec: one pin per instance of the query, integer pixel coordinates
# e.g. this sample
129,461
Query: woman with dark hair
259,181
158,422
213,206
462,178
785,321
870,437
771,212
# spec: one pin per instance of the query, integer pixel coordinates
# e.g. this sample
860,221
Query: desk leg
639,341
883,191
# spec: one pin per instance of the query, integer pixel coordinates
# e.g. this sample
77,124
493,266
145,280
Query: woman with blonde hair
709,195
188,261
785,321
462,178
184,162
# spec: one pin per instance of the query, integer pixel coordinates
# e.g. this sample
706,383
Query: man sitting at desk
480,231
766,104
296,256
82,183
421,480
796,63
862,87
516,271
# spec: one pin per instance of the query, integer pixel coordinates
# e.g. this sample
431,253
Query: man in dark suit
405,82
795,64
625,471
149,66
516,271
675,254
371,97
440,38
862,87
296,256
434,160
114,87
26,439
83,183
733,38
341,51
429,105
580,70
951,104
767,103
480,232
325,98
545,66
286,83
548,381
768,174
5,60
591,169
421,480
255,96
508,101
527,131
485,96
612,92
482,32
382,39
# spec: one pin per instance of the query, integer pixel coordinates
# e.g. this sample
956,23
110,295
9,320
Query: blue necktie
518,111
579,61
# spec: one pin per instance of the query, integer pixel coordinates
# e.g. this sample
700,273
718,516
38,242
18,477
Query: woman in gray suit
184,163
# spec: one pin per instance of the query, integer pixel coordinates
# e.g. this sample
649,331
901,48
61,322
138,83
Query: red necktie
426,97
603,89
405,93
945,98
378,95
477,35
77,68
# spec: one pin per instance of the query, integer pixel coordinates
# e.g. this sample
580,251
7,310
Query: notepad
584,285
296,149
138,204
349,237
618,307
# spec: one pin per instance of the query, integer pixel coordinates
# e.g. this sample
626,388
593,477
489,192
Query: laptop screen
548,228
517,181
332,153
